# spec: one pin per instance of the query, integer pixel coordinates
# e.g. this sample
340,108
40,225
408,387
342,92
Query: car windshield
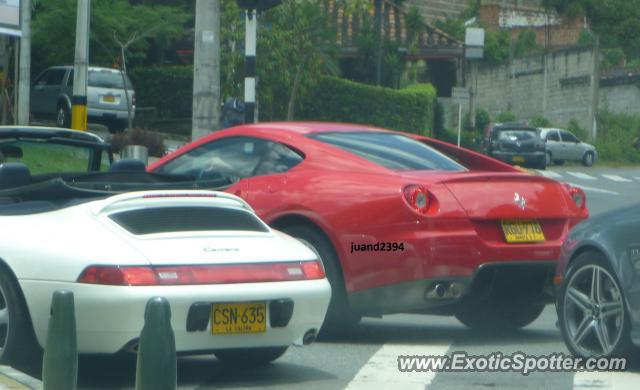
50,157
393,151
106,78
517,135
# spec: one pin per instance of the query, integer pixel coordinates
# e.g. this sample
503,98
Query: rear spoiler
473,160
195,196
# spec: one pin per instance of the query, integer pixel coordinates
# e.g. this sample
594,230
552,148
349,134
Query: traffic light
258,5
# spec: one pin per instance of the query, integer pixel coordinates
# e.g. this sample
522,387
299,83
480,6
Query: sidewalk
11,379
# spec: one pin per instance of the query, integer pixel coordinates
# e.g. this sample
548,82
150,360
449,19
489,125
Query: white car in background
236,287
562,145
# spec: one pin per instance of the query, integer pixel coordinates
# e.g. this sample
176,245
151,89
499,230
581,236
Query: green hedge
614,140
168,88
339,100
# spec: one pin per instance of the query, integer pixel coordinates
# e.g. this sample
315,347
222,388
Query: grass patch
50,158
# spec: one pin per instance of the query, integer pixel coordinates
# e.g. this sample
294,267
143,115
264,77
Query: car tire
581,321
340,318
63,116
250,356
491,316
548,160
588,159
17,341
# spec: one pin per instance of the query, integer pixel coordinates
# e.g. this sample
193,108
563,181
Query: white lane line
381,371
550,174
616,178
604,380
591,189
581,175
636,177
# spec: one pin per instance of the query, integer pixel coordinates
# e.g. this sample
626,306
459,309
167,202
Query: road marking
636,177
606,380
381,371
592,189
550,174
581,175
616,178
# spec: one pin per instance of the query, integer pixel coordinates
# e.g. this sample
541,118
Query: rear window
393,151
186,219
108,79
517,135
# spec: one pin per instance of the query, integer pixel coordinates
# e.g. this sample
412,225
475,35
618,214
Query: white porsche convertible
117,238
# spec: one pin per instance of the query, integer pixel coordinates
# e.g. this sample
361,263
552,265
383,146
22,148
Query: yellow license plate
516,231
234,318
518,159
109,98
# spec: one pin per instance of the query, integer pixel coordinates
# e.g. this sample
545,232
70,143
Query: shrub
334,99
616,133
167,88
152,140
574,127
482,120
540,121
506,116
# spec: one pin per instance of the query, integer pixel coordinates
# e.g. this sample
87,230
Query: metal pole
595,90
4,75
474,85
81,67
24,83
378,33
206,69
251,27
459,121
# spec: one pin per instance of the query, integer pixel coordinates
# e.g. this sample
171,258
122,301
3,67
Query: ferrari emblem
519,200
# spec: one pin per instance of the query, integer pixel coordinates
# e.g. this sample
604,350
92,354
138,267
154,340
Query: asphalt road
368,359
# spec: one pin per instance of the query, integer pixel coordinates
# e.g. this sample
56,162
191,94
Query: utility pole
206,69
251,8
251,30
81,67
24,83
377,14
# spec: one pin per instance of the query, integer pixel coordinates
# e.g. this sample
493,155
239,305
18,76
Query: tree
614,21
54,30
297,48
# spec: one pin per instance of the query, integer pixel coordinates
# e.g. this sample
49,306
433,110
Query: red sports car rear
403,223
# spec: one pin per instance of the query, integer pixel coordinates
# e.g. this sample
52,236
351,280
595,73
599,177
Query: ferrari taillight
417,198
202,274
577,195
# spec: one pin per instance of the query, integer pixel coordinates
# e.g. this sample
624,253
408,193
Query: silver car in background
106,100
563,146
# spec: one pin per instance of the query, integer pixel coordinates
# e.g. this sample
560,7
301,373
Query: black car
517,144
598,280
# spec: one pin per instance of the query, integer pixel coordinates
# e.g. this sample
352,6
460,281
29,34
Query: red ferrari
403,223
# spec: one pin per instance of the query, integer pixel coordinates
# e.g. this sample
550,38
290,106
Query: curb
11,379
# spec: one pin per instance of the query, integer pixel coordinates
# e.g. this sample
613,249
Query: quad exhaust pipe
443,290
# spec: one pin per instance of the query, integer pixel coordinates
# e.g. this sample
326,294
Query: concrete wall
621,95
557,85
